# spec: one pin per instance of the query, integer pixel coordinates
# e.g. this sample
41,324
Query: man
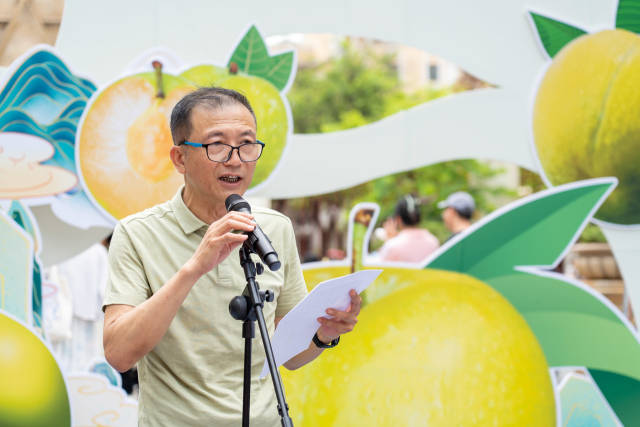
458,210
175,267
410,243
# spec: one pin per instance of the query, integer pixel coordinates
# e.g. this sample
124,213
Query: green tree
434,183
360,87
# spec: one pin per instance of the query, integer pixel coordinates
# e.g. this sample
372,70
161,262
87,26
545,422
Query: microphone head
236,203
272,261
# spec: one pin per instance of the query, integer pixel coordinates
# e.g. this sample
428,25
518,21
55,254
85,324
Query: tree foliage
359,87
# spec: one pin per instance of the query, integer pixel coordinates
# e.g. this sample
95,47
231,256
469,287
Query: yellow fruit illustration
148,142
124,141
32,391
205,75
442,349
585,119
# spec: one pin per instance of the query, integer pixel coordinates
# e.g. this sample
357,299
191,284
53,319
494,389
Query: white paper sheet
296,329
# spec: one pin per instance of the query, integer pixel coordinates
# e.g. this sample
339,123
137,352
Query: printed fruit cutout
33,392
124,141
122,148
425,335
149,137
585,114
445,350
205,75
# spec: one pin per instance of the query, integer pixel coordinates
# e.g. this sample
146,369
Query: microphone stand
248,308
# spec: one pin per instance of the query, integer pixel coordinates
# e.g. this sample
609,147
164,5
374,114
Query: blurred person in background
458,210
411,243
72,308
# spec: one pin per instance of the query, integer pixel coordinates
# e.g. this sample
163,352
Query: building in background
416,68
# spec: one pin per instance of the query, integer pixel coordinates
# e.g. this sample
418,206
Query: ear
177,155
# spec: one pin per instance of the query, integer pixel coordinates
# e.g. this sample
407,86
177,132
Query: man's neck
459,226
205,211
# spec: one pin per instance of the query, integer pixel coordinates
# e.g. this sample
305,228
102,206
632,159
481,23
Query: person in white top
73,310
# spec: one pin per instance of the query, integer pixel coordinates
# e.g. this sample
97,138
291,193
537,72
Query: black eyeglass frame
206,150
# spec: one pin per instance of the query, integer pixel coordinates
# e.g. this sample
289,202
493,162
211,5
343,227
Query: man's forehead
223,118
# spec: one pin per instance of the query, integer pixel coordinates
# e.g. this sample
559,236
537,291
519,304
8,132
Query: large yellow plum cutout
32,388
585,120
442,349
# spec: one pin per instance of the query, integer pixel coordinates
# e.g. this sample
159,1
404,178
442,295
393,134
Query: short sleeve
294,289
127,282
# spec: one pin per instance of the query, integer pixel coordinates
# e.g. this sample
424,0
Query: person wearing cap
411,243
458,210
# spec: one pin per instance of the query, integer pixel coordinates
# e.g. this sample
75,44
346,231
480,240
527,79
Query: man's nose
235,157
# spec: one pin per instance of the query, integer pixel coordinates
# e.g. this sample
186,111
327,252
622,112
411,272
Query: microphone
257,241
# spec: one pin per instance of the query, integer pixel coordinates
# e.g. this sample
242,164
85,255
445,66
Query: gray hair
212,97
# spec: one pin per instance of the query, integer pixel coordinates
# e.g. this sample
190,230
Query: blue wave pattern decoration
43,98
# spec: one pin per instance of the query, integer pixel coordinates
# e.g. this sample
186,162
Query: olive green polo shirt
193,376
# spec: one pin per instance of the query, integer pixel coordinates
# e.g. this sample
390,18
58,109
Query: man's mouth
230,178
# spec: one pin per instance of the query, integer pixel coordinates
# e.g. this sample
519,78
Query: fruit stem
233,68
157,66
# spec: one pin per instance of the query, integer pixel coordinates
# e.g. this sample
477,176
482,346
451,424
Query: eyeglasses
221,153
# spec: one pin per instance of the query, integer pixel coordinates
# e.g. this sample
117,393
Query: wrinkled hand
219,241
340,322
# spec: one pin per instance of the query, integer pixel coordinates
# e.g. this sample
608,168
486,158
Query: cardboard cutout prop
435,356
413,324
124,135
583,404
584,122
34,392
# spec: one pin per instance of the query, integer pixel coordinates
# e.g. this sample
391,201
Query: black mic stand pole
248,308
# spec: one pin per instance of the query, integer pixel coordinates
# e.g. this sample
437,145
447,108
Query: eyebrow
248,132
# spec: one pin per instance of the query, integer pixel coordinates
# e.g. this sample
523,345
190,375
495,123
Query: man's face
448,217
231,124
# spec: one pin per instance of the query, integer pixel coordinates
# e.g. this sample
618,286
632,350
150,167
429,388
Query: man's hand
219,241
331,328
341,322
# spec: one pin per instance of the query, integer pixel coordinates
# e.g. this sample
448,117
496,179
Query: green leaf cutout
252,57
575,326
534,232
628,15
36,296
623,394
18,212
554,35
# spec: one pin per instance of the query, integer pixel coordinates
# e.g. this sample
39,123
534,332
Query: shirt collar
187,220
